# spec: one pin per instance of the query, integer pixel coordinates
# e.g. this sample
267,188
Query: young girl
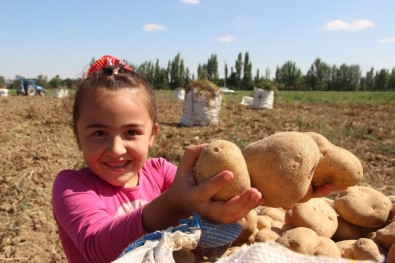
122,194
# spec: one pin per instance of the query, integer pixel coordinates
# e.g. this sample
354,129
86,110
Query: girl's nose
117,146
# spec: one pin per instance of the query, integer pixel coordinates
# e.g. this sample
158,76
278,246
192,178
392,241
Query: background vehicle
28,87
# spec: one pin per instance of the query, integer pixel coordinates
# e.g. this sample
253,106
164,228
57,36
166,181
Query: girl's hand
316,192
198,198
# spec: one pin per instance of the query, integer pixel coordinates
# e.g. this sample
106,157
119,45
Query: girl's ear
77,138
155,130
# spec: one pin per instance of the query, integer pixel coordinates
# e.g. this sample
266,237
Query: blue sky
59,37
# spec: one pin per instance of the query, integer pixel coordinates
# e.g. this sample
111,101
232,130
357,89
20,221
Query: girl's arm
85,226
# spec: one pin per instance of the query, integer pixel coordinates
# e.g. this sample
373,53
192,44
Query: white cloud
154,27
226,39
191,2
387,40
341,25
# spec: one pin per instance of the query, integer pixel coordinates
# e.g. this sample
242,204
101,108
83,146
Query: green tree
391,82
231,81
257,76
318,76
164,79
156,75
247,73
367,82
381,80
212,69
347,78
42,81
203,72
226,75
238,72
289,76
55,82
2,82
177,72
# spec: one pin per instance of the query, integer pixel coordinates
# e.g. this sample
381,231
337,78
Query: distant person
123,194
40,90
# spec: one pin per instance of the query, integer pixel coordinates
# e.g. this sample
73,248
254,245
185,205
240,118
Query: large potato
345,230
363,206
367,249
218,156
264,221
281,166
327,247
386,236
391,216
266,234
337,165
249,229
316,214
273,212
300,239
391,255
346,248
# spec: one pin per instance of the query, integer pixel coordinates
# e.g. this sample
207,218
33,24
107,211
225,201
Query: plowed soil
36,142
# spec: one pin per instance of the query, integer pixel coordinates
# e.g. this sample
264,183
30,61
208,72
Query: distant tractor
28,87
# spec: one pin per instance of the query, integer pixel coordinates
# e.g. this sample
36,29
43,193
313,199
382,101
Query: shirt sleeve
80,212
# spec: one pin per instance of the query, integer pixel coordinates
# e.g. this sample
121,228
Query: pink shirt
96,220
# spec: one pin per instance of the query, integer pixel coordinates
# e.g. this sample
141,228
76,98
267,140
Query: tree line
240,76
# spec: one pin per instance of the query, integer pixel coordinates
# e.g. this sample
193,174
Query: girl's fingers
316,192
189,158
323,190
214,185
235,208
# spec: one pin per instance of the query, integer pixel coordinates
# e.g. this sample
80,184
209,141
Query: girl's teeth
116,165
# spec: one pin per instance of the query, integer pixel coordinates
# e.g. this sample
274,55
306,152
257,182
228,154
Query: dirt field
36,142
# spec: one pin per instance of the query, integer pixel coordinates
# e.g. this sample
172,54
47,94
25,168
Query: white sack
201,108
263,99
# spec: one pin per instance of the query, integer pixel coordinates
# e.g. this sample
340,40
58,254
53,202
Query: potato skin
300,239
336,165
386,236
281,166
366,249
327,247
391,254
218,156
345,230
315,214
363,206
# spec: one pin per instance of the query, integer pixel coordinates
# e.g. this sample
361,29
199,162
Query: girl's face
114,132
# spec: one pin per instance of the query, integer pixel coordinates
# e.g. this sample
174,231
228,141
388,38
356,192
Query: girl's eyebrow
99,125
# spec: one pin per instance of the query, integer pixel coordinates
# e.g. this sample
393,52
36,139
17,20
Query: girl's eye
99,133
131,132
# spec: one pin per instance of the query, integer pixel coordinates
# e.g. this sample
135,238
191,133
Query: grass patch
357,97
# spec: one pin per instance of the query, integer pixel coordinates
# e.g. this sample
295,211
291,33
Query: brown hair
113,78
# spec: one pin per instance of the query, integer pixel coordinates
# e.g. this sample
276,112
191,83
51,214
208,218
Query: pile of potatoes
359,223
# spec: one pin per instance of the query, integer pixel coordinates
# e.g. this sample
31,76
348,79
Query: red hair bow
106,61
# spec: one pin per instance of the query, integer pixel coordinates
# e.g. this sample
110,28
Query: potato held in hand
219,156
281,166
337,165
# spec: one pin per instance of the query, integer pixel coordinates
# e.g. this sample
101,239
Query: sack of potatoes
358,223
